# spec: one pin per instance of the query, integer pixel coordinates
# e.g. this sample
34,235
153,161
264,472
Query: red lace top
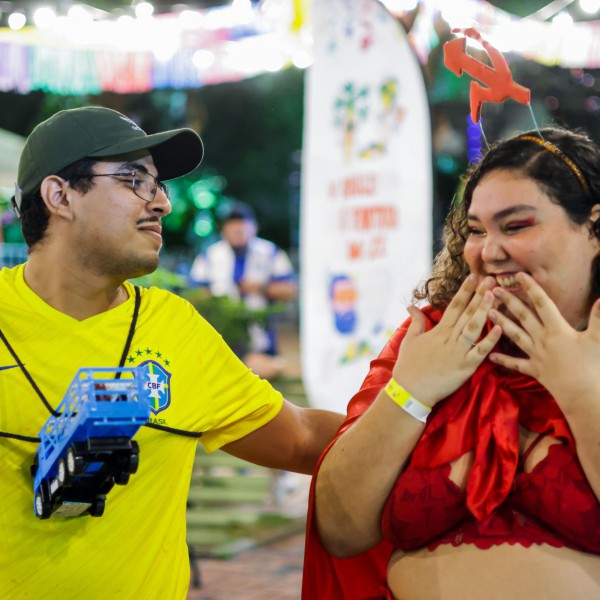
554,503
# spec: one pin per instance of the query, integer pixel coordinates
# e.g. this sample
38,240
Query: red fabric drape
482,416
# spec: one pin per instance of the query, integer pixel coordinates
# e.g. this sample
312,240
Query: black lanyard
130,334
34,385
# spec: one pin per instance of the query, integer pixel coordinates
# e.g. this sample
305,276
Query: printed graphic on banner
366,194
353,108
343,303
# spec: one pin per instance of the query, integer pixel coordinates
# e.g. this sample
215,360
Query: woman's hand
565,361
433,364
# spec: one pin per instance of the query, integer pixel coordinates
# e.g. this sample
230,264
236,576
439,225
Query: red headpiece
497,78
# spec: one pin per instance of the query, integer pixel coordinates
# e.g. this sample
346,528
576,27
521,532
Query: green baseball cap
97,132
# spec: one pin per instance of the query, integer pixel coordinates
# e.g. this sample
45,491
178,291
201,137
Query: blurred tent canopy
522,8
190,45
160,6
11,145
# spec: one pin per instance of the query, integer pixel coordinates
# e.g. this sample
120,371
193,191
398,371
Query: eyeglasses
143,186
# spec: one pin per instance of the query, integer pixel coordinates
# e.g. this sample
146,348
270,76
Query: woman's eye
516,226
475,231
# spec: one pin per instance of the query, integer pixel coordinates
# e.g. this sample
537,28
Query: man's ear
54,191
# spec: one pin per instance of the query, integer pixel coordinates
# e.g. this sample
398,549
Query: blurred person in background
255,271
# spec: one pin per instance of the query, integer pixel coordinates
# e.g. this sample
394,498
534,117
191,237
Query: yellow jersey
137,548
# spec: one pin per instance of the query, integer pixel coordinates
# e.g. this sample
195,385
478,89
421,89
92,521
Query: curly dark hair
35,216
553,175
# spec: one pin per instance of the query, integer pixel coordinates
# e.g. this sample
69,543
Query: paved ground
272,572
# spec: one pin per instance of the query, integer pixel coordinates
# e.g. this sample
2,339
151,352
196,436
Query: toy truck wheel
133,461
43,508
62,472
74,462
97,507
129,462
121,478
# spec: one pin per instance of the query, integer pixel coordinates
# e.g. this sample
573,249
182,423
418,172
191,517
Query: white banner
366,222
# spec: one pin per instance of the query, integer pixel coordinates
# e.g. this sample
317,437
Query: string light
44,17
17,21
302,59
562,19
144,10
191,19
79,15
589,6
203,59
400,6
258,38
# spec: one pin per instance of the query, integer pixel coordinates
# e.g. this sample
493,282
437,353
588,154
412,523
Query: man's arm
294,440
284,290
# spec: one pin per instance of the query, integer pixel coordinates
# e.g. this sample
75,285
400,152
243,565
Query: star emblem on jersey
157,385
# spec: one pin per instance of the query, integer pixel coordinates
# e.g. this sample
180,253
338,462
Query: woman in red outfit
468,466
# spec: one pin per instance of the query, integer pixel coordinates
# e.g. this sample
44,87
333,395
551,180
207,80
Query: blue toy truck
86,447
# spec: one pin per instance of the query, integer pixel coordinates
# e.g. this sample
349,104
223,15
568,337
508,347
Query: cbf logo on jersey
157,385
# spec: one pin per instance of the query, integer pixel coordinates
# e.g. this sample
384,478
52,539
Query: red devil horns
497,78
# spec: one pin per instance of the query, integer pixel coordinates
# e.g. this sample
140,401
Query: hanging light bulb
44,17
203,59
589,6
144,10
562,19
241,5
17,21
79,15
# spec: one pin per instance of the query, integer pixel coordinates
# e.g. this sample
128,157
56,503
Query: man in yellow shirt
91,201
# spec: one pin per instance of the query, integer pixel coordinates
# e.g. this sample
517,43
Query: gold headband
558,152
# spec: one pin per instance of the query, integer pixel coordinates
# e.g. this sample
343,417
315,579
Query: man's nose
160,204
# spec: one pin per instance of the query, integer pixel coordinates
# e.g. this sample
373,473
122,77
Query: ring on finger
470,342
